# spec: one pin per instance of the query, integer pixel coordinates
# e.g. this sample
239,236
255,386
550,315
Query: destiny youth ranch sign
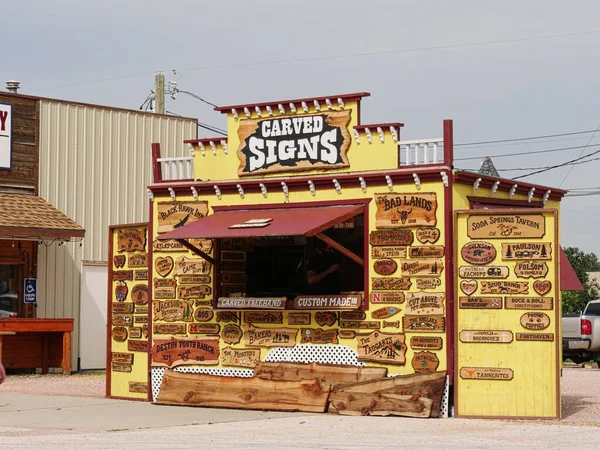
289,144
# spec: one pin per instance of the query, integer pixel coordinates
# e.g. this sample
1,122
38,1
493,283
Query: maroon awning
307,221
569,281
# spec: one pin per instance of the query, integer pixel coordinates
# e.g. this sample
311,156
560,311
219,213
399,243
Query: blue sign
30,291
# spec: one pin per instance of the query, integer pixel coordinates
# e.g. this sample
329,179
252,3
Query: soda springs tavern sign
286,144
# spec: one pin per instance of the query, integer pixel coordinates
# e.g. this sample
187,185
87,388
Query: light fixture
281,109
172,193
240,190
368,133
328,103
258,111
476,184
263,189
340,102
495,187
394,134
234,113
417,180
363,184
247,112
190,148
317,105
304,107
444,178
194,193
380,133
217,191
286,191
224,145
356,135
202,149
546,196
311,186
513,189
388,180
293,108
530,194
150,194
338,186
269,110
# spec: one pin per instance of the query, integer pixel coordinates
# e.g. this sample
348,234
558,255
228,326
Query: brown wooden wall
25,142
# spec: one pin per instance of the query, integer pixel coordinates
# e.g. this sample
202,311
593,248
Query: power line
504,155
203,125
526,138
556,166
583,150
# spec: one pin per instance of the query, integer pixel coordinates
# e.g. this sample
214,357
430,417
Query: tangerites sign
405,210
172,215
270,337
486,373
130,240
240,357
502,226
382,347
283,144
181,351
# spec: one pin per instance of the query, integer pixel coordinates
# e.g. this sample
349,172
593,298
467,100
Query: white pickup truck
581,334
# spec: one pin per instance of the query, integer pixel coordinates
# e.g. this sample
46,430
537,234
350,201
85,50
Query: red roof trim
507,183
373,126
346,97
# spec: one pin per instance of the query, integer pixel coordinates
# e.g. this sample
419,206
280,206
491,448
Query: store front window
10,281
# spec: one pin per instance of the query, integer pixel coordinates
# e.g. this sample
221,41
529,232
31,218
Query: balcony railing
422,151
176,168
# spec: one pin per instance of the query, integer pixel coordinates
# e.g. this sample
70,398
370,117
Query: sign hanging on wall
527,250
299,319
391,284
427,251
428,283
486,373
504,287
486,336
318,336
425,303
423,324
5,136
529,303
535,320
173,215
328,302
382,347
430,235
385,266
30,287
282,144
184,351
270,337
483,272
188,266
240,357
173,310
478,252
480,302
426,343
138,260
391,237
531,269
425,268
263,317
139,294
405,210
232,334
130,240
387,297
388,252
503,226
425,362
251,302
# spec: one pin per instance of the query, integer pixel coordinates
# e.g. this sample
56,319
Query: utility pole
159,94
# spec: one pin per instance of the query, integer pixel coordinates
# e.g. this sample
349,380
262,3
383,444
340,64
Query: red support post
157,173
448,143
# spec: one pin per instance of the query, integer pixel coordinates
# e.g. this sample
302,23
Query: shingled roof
488,168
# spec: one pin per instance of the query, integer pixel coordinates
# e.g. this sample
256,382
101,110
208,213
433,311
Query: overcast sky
501,70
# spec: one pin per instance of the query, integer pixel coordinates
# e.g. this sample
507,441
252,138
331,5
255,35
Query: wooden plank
331,373
355,404
196,389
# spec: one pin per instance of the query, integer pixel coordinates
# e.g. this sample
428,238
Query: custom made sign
140,274
426,343
318,336
240,357
270,337
165,293
360,324
545,303
188,266
535,336
232,334
388,252
122,275
184,351
386,238
135,332
480,302
263,317
325,318
425,362
381,347
535,320
385,266
385,312
486,336
423,324
427,251
169,328
138,260
428,235
204,328
531,269
227,316
299,319
511,226
353,315
118,357
468,286
130,240
122,308
478,252
203,314
137,346
251,302
194,279
387,297
121,291
117,367
121,320
119,334
346,334
328,302
173,310
193,291
138,387
504,287
526,250
395,324
139,294
163,265
425,303
173,215
234,278
428,283
304,142
119,261
483,272
422,268
391,284
486,373
542,287
405,210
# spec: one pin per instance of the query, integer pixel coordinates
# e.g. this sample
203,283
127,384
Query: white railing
176,168
421,151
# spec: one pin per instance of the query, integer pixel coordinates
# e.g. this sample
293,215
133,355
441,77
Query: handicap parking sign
30,291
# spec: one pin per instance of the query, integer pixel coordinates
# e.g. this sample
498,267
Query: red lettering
3,116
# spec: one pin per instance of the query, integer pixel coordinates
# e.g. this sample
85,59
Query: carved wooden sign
121,291
394,324
204,328
164,282
263,317
135,332
531,269
131,240
347,334
194,279
232,334
527,250
486,336
325,318
529,303
381,347
240,357
138,387
425,303
388,252
349,301
227,316
405,210
251,302
423,324
535,320
122,320
122,275
478,252
203,302
425,235
168,245
119,261
318,336
169,328
140,274
427,251
542,287
163,265
118,367
361,324
483,272
193,291
424,268
468,286
486,373
137,346
534,336
292,144
387,297
504,287
173,215
122,308
270,337
391,284
385,266
480,302
139,294
299,319
165,293
203,314
118,357
428,283
391,237
141,319
189,266
385,312
138,260
353,315
425,362
141,310
503,226
426,343
173,310
119,334
184,351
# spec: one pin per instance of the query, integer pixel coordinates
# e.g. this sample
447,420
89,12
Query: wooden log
196,389
331,373
355,404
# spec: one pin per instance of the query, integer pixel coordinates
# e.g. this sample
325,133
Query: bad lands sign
5,135
287,144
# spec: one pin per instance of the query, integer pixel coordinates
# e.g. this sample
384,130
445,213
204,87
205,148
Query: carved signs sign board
325,318
430,235
425,362
388,252
535,320
263,317
122,275
486,373
542,287
270,337
131,240
534,336
173,215
251,302
173,310
486,336
184,351
240,357
204,328
405,210
232,334
527,250
119,261
119,334
423,324
531,269
385,266
483,272
299,318
468,286
139,387
427,251
503,226
292,144
504,287
387,297
137,346
425,303
138,260
480,303
139,294
381,347
188,266
169,328
426,343
478,252
428,283
424,268
163,265
328,302
391,237
385,312
391,284
318,336
544,303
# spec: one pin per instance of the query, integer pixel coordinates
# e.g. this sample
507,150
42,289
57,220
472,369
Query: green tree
573,302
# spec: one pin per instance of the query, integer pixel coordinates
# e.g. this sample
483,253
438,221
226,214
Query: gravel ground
84,384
